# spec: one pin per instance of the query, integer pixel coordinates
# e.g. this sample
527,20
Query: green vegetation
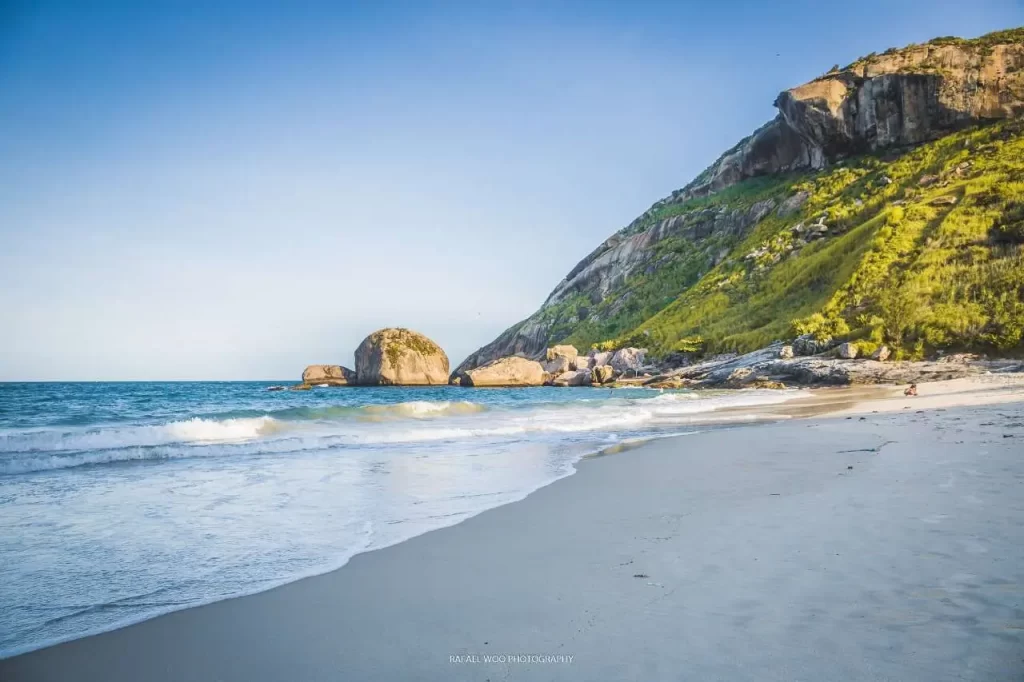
923,251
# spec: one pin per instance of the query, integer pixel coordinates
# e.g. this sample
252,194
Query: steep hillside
884,202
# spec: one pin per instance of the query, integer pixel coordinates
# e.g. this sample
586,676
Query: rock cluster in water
561,365
387,357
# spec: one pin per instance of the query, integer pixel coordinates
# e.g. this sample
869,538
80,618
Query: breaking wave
310,428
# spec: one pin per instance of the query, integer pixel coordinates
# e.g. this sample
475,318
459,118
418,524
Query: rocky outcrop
900,98
332,375
508,372
764,369
400,357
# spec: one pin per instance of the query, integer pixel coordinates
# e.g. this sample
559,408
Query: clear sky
233,190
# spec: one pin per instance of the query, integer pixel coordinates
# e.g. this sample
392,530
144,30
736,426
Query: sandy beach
883,541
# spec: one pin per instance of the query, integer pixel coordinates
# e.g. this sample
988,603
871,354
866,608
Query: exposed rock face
882,354
908,97
601,358
604,273
581,362
400,357
510,371
332,375
786,352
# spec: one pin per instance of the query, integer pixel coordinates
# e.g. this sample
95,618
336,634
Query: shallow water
121,501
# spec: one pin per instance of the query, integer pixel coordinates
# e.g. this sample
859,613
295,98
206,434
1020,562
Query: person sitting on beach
912,391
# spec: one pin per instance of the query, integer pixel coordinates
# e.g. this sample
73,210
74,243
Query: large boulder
881,354
628,360
510,371
400,357
581,362
599,358
332,375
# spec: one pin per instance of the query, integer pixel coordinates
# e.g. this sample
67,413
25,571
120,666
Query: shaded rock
400,357
599,358
847,351
807,344
332,375
580,377
511,371
301,387
557,365
945,200
928,180
881,354
739,376
786,352
603,374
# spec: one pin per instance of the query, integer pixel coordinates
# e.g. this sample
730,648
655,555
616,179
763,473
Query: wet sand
867,546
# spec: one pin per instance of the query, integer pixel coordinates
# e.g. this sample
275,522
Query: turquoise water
121,501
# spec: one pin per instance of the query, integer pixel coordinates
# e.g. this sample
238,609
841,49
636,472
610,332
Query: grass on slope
902,264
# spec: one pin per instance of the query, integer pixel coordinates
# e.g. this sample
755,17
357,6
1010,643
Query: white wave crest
195,430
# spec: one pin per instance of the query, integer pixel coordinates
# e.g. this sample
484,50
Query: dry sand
886,546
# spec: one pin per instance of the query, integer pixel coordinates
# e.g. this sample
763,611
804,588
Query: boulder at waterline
628,360
603,374
332,375
510,372
580,377
400,357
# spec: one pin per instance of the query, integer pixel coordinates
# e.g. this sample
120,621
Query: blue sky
233,190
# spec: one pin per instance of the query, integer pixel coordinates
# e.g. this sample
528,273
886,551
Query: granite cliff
902,156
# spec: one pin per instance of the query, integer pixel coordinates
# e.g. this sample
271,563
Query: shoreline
791,415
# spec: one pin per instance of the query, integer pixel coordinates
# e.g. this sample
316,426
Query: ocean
122,501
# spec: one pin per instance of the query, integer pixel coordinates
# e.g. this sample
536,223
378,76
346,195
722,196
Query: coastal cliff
881,205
